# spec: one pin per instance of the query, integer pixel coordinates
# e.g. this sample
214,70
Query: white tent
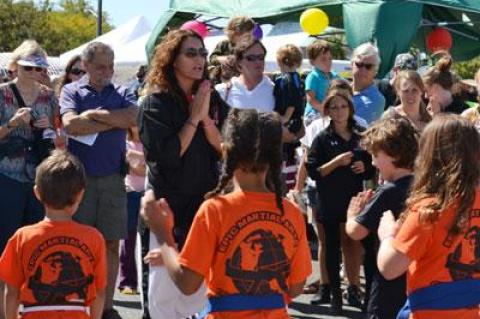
127,41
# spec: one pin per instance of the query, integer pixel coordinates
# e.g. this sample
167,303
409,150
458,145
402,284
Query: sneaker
322,296
111,314
128,291
353,296
336,303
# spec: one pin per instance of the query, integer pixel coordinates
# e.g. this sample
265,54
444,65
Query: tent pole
99,18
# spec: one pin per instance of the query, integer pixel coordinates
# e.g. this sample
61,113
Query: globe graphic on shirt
258,260
58,276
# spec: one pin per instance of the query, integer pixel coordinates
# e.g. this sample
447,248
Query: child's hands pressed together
388,226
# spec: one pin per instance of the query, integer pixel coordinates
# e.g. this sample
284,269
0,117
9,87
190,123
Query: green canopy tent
394,25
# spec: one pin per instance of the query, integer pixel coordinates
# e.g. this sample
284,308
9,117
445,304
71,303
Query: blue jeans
18,207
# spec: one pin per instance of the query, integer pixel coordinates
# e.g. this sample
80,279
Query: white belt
24,309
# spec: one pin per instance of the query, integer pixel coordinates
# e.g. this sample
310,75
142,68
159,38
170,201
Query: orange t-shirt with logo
55,263
437,257
242,244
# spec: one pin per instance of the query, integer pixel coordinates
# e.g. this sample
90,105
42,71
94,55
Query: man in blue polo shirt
368,101
96,114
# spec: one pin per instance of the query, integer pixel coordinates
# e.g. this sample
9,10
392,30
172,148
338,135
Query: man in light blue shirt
368,101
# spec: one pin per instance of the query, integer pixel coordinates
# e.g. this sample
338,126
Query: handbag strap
17,94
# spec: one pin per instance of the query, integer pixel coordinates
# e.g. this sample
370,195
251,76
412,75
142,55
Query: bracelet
190,122
208,123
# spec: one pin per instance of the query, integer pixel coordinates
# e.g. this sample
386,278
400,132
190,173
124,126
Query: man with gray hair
96,114
369,102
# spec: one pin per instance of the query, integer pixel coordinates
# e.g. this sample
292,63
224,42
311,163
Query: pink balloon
199,27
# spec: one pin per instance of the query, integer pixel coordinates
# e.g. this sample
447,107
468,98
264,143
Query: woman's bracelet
190,122
208,123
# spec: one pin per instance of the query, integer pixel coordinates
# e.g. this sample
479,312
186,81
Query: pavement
129,306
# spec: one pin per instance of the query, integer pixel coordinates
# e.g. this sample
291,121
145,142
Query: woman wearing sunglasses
73,72
251,89
179,122
19,122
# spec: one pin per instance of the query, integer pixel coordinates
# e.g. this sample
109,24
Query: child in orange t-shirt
438,241
57,267
250,245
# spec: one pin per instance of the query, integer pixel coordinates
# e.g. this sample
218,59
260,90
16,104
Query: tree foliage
57,29
467,69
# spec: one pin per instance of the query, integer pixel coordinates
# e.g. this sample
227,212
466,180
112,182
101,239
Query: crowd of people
218,168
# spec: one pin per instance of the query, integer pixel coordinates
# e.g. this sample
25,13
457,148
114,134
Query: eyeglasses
367,66
76,71
255,57
31,68
193,53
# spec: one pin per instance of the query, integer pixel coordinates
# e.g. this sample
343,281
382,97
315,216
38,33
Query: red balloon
199,27
439,39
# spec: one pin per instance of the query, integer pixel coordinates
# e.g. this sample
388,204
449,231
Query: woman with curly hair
179,124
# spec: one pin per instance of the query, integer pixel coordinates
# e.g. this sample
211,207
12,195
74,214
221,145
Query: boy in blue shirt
317,81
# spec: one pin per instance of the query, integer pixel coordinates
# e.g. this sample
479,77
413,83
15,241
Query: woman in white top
251,89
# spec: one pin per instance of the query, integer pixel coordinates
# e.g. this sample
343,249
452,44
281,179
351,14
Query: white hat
35,60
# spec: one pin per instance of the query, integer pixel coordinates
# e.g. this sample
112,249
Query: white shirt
260,98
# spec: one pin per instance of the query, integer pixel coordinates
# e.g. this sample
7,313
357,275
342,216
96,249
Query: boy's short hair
316,48
59,179
395,136
289,55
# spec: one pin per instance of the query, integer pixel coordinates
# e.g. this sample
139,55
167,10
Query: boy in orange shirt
57,267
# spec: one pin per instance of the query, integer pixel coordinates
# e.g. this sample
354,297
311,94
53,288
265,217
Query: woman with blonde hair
410,89
27,110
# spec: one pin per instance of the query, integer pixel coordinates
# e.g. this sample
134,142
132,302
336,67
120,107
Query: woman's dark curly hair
161,77
252,141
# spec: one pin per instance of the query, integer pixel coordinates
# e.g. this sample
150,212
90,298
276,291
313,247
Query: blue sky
121,11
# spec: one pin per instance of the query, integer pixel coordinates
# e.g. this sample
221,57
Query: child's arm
288,114
317,105
296,289
12,302
159,218
96,308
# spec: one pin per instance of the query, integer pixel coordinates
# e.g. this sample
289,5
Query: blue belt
241,302
444,296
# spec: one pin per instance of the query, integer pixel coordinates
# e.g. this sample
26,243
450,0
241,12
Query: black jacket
161,117
337,188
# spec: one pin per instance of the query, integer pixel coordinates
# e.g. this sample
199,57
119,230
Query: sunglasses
11,72
255,57
367,66
31,68
193,53
76,71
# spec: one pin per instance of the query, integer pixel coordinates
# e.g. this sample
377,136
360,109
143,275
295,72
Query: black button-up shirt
161,117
